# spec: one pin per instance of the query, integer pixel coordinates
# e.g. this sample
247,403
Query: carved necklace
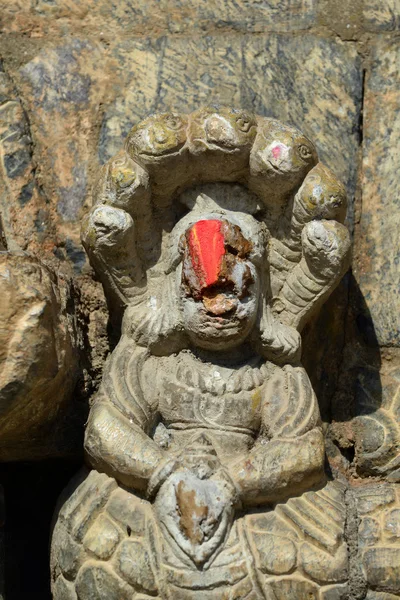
217,379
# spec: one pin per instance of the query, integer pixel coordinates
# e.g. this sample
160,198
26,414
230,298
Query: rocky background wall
75,75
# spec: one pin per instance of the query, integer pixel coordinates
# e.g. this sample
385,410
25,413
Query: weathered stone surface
89,498
381,15
163,16
64,590
379,536
97,580
369,532
278,555
71,553
376,428
38,358
372,595
321,567
372,498
292,588
381,565
102,538
124,509
274,75
133,562
210,350
392,523
279,76
60,86
367,387
303,79
23,212
377,258
64,85
52,175
335,592
342,17
58,89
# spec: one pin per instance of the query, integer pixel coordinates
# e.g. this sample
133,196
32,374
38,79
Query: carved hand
274,469
202,467
164,470
280,343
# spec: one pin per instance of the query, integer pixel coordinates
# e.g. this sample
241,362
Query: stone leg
107,546
99,549
227,577
378,512
298,547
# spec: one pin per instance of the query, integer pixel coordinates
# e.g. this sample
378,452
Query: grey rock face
381,17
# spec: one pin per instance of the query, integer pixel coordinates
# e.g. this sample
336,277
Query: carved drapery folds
217,236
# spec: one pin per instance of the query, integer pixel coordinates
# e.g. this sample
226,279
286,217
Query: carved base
378,511
107,544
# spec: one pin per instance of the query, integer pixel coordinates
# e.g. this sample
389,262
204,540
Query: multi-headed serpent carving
216,236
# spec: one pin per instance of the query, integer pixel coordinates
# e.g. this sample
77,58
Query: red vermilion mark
206,246
276,151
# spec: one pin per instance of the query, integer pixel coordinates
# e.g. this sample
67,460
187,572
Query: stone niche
217,236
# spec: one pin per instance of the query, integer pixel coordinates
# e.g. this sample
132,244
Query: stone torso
193,396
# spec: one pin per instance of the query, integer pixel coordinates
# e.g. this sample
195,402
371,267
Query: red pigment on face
206,246
276,151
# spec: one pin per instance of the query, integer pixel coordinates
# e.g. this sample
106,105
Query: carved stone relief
217,236
379,536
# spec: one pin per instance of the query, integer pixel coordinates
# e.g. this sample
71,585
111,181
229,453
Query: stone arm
116,439
288,456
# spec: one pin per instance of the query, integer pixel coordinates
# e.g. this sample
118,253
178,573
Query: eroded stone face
281,156
220,285
156,137
38,364
217,236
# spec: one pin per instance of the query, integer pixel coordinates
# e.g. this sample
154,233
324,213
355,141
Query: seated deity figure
217,236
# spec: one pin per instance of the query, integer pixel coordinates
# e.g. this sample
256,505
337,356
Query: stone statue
217,236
